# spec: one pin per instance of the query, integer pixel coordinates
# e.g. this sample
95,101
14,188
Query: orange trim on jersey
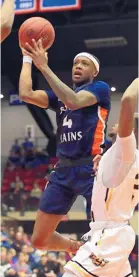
99,132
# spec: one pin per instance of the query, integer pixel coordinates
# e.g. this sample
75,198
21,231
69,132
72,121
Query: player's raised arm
127,110
39,98
118,160
26,93
6,18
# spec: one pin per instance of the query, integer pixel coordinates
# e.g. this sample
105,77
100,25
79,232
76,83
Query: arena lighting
1,95
105,42
113,89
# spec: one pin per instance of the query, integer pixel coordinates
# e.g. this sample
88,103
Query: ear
95,74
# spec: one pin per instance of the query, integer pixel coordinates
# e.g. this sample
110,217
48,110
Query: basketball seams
50,41
23,35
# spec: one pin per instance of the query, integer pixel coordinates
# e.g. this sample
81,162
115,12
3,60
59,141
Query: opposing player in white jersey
111,239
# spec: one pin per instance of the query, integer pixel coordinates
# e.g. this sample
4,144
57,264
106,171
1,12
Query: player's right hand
37,53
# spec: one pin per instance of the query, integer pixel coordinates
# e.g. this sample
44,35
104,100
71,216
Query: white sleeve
118,161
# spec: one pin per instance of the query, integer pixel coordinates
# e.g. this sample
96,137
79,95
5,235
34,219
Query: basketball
36,28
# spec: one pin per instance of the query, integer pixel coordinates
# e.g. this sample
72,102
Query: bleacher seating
28,176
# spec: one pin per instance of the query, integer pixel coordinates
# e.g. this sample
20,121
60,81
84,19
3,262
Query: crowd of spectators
30,168
18,196
26,155
20,259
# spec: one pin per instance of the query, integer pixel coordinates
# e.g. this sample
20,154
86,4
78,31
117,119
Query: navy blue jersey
81,133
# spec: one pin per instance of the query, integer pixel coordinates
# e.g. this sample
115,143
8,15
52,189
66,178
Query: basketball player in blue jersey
6,19
82,113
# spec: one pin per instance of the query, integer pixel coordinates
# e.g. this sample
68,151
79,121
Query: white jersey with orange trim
115,191
109,242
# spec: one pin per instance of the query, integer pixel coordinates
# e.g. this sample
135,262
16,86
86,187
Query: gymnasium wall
13,123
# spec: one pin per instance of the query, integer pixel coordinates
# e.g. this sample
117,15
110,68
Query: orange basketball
36,28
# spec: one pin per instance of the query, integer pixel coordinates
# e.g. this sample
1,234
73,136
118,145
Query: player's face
83,70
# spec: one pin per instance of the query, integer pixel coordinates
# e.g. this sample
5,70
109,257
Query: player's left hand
37,53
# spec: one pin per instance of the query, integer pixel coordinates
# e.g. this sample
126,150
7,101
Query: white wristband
27,59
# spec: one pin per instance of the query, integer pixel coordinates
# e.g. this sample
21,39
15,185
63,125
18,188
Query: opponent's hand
37,53
75,245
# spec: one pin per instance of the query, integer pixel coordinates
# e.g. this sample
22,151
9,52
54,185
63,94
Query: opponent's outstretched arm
6,18
118,159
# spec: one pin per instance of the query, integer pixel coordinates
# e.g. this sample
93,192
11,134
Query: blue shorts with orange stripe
65,184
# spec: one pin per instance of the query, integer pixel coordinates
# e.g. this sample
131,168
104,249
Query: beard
77,84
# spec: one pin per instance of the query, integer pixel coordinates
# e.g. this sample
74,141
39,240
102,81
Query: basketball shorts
65,184
105,254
